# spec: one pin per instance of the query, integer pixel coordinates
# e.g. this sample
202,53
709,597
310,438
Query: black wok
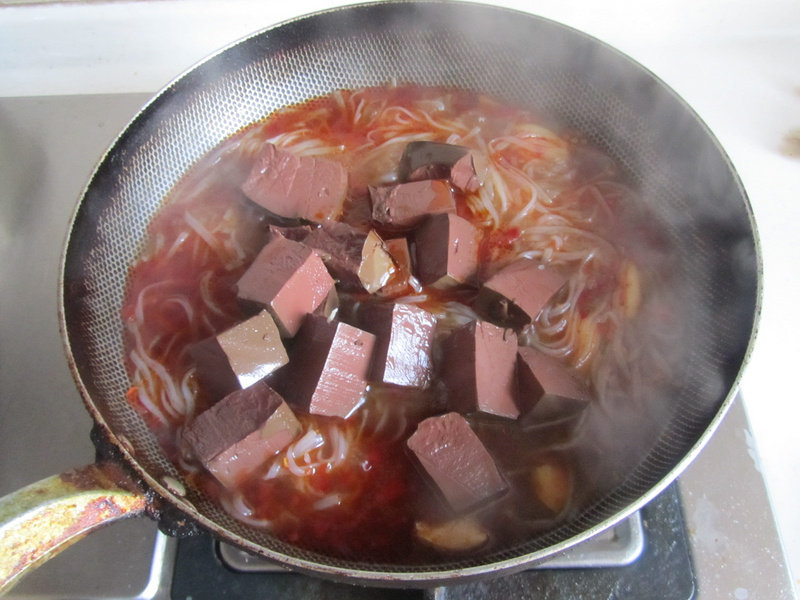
665,148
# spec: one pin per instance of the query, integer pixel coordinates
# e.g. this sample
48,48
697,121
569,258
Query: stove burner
657,565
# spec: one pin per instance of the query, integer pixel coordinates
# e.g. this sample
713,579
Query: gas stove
710,535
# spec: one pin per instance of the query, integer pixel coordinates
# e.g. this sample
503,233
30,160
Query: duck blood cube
234,437
548,391
406,204
514,295
435,160
328,368
456,461
241,355
339,245
404,342
356,259
293,187
289,279
446,251
479,369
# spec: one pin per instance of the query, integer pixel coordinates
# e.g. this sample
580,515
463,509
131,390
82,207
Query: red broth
356,494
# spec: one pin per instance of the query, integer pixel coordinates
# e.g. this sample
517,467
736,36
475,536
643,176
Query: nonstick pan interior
576,81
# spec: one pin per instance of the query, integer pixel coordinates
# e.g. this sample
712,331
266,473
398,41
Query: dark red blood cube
240,356
406,204
339,245
404,343
548,391
293,187
289,279
515,294
479,369
446,251
434,160
328,367
234,437
456,461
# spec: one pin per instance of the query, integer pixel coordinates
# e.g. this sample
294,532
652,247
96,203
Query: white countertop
735,62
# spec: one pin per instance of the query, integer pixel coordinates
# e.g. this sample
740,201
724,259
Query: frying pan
665,149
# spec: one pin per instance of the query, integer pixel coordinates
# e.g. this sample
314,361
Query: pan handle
42,519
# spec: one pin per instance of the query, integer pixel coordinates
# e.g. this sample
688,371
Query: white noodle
237,506
528,208
310,148
146,379
205,294
184,304
139,308
358,111
328,501
274,470
200,230
295,469
173,400
179,240
148,404
311,440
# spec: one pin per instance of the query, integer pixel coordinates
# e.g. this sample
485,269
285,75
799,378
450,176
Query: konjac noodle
350,486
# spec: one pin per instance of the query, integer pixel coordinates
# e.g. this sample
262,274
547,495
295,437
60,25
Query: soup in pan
374,323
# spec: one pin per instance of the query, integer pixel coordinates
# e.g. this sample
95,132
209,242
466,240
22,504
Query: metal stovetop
48,146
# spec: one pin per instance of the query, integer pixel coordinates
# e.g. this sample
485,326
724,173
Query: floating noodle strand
209,239
236,505
207,296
